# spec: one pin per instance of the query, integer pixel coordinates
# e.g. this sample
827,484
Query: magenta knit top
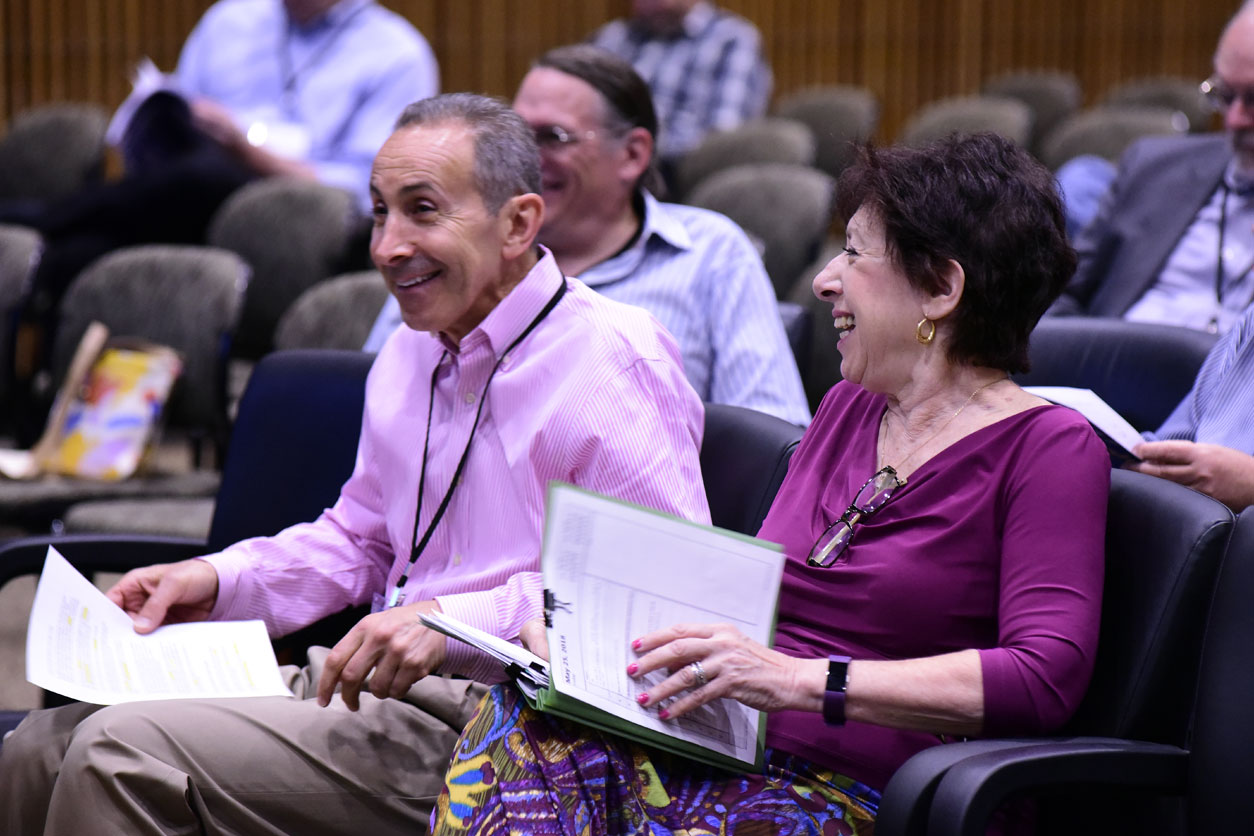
996,543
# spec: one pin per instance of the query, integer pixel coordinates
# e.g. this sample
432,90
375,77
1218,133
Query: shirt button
506,360
470,397
457,560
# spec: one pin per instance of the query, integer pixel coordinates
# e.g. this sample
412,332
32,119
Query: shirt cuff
235,585
477,609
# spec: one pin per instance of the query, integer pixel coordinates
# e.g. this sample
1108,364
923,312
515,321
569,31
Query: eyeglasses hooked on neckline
555,136
833,543
1220,95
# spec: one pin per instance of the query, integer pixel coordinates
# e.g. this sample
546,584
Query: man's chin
1242,143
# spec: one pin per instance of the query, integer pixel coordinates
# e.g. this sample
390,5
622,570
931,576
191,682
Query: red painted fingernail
642,699
636,644
632,668
663,714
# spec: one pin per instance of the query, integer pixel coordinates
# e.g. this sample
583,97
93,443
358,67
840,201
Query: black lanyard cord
289,74
419,545
1219,261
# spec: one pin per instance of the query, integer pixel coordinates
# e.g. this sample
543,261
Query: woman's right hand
167,593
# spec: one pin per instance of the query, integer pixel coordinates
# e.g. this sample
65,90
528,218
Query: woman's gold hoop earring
925,339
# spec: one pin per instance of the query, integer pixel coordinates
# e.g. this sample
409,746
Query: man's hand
168,593
394,644
535,638
218,123
1221,472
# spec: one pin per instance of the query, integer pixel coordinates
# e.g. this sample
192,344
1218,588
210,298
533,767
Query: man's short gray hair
507,162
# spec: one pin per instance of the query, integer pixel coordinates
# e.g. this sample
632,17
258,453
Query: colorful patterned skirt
519,771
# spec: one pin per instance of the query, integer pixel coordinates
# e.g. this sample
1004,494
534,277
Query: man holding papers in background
1207,440
508,376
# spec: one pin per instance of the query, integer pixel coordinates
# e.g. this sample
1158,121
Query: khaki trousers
267,765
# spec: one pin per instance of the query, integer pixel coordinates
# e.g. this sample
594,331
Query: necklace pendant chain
900,466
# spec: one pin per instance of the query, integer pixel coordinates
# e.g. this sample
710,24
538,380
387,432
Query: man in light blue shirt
693,269
305,87
1207,441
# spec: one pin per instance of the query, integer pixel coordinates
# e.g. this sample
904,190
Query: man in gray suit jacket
1173,241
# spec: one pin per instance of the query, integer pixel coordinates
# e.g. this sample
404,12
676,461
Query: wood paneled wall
908,52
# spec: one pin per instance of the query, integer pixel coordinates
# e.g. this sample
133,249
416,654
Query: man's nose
390,244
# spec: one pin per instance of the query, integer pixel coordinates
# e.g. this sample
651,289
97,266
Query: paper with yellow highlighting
83,646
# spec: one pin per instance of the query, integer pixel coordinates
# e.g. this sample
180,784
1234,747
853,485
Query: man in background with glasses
1173,241
695,270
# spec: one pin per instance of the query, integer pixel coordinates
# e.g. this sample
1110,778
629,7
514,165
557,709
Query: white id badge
287,139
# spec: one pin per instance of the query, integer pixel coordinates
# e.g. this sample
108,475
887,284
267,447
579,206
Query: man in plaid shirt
704,65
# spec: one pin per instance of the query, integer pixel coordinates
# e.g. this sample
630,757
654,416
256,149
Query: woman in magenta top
944,532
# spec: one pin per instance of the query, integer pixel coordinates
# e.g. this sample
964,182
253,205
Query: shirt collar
1240,182
657,223
516,311
335,16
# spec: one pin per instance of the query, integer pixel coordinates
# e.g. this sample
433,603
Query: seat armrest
972,789
904,806
90,553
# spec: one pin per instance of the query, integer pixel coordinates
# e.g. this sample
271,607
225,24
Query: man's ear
953,283
520,219
638,148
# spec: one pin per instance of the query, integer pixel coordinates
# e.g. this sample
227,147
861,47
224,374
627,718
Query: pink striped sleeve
311,570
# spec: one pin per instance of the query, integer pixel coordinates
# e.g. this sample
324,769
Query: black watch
834,694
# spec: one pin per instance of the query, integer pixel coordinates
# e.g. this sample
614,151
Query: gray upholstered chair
1002,115
293,233
840,116
1142,369
52,150
20,251
185,297
1052,95
1172,92
787,207
1105,132
336,313
769,140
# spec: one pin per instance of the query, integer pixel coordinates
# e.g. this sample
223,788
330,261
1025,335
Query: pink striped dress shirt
596,395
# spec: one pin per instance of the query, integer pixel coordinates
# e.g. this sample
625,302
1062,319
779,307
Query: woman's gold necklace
932,437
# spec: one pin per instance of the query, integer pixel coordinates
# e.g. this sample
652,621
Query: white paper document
1098,413
615,571
145,80
82,645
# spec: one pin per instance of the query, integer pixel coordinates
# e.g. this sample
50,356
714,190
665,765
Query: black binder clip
551,604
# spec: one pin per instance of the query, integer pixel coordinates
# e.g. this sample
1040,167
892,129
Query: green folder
572,707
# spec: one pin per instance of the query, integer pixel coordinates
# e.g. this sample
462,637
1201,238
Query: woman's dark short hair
987,204
628,100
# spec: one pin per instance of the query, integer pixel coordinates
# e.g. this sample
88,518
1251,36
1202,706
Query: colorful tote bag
107,413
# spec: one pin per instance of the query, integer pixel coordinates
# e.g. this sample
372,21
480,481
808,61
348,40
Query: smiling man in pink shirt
509,376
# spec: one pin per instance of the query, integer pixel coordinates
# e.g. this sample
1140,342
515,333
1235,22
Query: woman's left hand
732,665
